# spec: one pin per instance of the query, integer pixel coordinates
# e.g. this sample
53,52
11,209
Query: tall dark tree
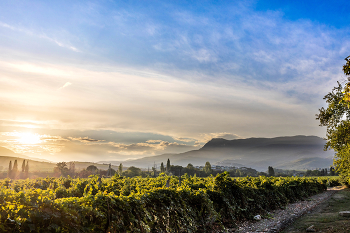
336,117
14,170
26,170
162,168
23,165
168,166
9,173
271,171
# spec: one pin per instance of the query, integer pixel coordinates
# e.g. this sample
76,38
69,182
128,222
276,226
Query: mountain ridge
257,153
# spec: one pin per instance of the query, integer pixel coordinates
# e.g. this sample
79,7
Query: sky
117,80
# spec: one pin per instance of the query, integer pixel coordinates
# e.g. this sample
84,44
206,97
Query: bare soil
320,211
325,217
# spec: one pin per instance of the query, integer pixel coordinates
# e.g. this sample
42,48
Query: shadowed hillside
296,152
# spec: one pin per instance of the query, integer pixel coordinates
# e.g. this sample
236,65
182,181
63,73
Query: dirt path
296,213
325,217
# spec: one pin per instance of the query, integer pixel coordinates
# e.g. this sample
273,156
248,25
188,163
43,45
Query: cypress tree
271,171
14,170
168,165
120,169
9,173
162,169
23,165
26,170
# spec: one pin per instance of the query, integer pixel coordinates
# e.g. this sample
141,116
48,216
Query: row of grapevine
162,204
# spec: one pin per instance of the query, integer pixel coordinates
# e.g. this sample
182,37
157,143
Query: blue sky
113,80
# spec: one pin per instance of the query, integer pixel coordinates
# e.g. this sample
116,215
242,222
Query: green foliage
62,168
132,171
92,168
168,165
271,171
336,117
120,169
123,204
162,168
207,168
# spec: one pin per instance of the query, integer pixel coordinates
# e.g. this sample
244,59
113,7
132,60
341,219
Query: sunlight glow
28,138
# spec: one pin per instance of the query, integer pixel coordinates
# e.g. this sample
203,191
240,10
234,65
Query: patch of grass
326,217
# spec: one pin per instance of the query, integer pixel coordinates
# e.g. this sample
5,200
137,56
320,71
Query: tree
120,169
162,168
9,173
176,169
92,168
26,170
207,168
168,167
14,170
154,171
23,165
271,171
336,117
62,168
190,169
331,171
132,171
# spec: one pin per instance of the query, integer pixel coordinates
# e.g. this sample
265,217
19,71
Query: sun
28,138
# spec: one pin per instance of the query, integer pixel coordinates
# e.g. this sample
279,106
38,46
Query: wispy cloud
169,80
33,33
65,85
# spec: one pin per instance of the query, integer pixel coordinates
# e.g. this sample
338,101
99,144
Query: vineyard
162,204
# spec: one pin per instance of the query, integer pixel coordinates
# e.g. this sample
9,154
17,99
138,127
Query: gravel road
281,218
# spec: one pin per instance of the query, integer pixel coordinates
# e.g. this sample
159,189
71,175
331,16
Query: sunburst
28,138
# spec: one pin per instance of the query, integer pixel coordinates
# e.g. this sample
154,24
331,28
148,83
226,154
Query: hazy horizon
108,80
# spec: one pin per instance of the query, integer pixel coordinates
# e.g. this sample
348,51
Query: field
162,204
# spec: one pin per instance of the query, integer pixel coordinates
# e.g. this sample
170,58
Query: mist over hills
294,153
7,155
41,165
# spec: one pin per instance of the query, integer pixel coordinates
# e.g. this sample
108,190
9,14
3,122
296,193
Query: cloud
117,151
169,84
34,33
203,55
152,103
65,85
5,25
85,139
153,141
185,139
151,147
224,135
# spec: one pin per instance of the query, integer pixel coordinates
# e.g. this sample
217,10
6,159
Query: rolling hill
295,152
41,165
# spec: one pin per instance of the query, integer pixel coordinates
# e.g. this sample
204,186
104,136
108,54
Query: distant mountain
44,166
33,165
294,152
6,152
